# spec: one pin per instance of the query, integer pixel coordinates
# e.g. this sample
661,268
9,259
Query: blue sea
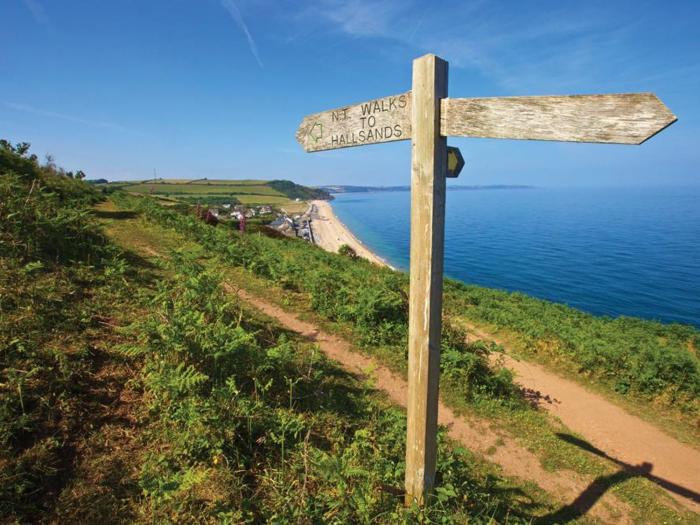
612,251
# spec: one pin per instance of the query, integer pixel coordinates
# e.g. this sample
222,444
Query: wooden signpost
426,116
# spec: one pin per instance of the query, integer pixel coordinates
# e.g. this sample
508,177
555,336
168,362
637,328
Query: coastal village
289,224
238,212
311,220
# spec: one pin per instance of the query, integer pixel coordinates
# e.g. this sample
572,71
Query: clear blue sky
216,88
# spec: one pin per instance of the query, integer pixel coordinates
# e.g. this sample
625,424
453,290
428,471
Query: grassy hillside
134,388
648,362
368,305
63,287
276,192
296,191
140,392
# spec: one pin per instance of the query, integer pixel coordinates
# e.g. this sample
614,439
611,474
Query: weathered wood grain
628,118
383,119
428,171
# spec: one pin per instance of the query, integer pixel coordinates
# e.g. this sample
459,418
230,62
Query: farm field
200,189
295,207
262,199
245,191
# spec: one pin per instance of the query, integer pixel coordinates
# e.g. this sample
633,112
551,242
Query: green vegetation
228,394
372,299
196,188
134,392
61,286
642,360
347,251
134,389
645,361
368,305
296,191
276,192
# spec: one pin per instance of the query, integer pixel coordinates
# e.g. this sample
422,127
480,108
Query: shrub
347,251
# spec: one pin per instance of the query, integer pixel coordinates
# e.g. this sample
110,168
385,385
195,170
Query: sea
607,251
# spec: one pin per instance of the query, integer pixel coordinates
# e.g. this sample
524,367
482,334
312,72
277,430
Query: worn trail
473,433
623,438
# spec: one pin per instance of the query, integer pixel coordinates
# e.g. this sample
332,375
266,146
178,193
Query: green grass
237,182
485,395
199,189
135,390
262,199
230,392
532,429
247,193
234,182
652,369
63,288
251,192
644,361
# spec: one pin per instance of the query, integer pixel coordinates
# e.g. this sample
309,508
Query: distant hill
215,191
366,189
297,191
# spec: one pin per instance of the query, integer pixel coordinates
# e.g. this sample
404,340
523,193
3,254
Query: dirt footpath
623,438
576,493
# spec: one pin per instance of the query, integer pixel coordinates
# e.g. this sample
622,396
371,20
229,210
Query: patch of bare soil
100,486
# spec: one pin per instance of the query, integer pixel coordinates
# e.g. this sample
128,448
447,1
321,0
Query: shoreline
330,233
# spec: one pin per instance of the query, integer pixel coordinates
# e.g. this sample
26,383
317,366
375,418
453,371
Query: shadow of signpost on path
583,503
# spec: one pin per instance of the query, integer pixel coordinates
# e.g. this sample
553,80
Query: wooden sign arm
630,118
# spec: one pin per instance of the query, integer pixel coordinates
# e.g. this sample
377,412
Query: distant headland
366,189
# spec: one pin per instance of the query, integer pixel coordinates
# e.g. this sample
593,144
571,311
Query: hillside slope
134,390
368,305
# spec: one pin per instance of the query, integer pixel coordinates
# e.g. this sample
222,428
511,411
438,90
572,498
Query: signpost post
427,117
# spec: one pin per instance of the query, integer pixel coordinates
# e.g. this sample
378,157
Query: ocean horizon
607,251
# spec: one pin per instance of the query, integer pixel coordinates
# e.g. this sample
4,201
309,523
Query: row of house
295,226
298,225
239,211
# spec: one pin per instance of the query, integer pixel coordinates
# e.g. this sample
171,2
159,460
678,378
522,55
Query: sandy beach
330,234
